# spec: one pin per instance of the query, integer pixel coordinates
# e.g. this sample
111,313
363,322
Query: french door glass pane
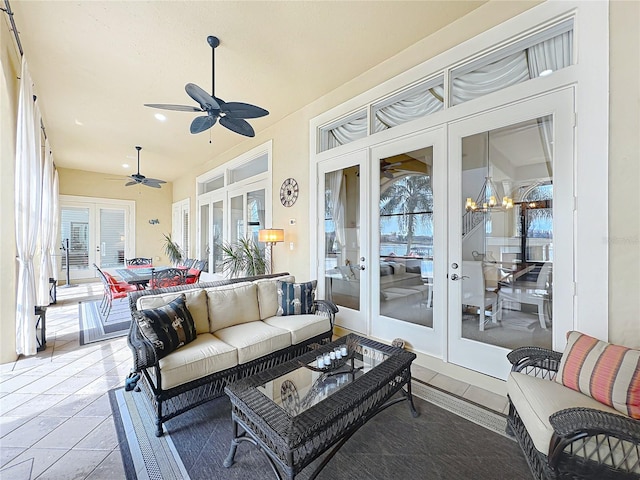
217,227
205,246
237,218
507,229
406,237
112,237
255,214
74,229
342,245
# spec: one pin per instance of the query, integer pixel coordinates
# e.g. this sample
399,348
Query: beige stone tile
100,407
36,405
449,384
486,398
7,454
70,406
15,383
69,433
75,465
42,458
68,386
110,468
8,424
102,385
40,384
20,471
421,373
103,437
31,432
13,400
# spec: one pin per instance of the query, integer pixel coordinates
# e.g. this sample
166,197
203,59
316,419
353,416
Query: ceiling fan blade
200,124
153,180
150,184
238,125
179,108
132,182
206,101
242,110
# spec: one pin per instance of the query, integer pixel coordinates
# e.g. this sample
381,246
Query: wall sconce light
270,236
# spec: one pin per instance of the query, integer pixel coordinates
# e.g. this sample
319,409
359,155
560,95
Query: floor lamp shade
271,236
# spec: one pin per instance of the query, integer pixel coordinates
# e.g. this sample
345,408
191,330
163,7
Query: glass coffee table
297,411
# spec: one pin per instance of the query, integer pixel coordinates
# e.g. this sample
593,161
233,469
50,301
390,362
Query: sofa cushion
254,339
196,303
232,304
168,327
302,327
207,354
609,373
296,298
268,294
536,399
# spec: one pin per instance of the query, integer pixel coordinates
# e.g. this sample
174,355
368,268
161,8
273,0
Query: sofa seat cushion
196,304
302,327
232,304
254,339
536,399
205,355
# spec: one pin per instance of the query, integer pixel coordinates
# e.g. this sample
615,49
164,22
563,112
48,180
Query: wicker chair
167,277
587,443
139,262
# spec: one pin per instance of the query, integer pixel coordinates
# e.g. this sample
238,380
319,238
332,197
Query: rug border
82,322
125,456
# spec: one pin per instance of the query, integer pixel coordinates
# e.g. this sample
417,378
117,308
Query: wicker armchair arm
576,424
144,354
330,308
534,358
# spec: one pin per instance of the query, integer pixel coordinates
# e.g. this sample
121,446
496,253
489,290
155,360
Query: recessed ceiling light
160,117
78,122
544,73
125,165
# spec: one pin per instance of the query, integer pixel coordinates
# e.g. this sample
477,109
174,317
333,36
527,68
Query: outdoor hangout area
313,240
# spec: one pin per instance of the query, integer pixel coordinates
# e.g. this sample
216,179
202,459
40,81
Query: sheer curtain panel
28,205
47,228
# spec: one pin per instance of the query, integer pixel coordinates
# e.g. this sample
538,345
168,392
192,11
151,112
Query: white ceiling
95,63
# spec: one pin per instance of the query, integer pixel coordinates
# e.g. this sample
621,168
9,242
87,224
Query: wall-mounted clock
289,192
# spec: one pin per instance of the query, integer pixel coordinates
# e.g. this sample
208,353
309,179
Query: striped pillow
296,298
608,373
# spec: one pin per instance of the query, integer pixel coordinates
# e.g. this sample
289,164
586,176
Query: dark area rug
437,445
94,327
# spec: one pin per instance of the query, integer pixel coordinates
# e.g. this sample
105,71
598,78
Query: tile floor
55,416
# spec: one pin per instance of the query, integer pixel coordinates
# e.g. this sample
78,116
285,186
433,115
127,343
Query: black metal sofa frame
174,401
586,444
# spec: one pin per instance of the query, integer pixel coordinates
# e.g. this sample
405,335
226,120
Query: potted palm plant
172,250
243,258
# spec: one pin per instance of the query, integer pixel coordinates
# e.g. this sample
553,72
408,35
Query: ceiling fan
386,168
137,178
231,114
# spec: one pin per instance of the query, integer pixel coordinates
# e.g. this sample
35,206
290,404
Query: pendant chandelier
488,198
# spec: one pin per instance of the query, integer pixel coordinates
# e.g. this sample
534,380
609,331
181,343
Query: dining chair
193,274
113,290
139,262
167,277
475,293
537,293
187,263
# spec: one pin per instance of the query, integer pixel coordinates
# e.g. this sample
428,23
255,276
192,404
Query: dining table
139,277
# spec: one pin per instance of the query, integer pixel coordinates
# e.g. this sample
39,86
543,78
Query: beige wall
9,86
151,203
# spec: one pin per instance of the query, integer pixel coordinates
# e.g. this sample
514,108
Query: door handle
455,276
361,267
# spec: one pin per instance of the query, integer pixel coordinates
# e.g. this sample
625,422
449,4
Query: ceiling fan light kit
231,115
139,179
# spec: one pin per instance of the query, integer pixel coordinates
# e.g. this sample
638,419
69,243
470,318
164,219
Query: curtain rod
9,12
14,29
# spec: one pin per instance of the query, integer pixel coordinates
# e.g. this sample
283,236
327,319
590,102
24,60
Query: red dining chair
167,277
113,290
139,262
193,275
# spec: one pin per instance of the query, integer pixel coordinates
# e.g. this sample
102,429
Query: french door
510,268
94,231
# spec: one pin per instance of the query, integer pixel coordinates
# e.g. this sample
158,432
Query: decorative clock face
289,192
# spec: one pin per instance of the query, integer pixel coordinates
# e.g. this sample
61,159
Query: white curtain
54,264
47,226
27,202
348,132
415,106
336,206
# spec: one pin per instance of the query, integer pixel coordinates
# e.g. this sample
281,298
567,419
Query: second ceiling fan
231,115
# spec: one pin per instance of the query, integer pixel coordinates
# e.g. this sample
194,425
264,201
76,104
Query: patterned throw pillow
296,298
168,327
608,373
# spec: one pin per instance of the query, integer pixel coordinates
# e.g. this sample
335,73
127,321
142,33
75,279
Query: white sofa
238,334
